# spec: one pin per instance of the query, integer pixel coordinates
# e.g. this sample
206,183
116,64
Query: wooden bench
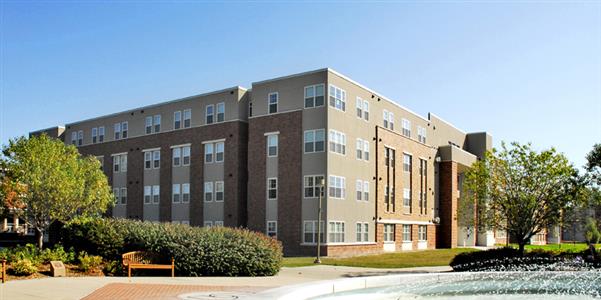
144,260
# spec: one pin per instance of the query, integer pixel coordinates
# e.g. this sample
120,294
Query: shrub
89,262
114,267
28,252
197,251
57,253
23,267
591,232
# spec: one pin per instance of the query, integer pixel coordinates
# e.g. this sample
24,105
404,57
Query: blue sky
522,71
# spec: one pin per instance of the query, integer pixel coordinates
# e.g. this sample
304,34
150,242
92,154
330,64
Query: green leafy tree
59,183
522,191
593,163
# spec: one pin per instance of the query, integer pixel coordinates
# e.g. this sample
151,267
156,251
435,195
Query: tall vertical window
337,142
156,194
209,114
80,138
406,233
148,125
421,134
423,185
314,140
272,102
272,228
124,129
209,153
156,159
407,197
311,187
208,193
406,127
365,110
148,160
74,137
422,233
147,194
120,163
272,188
101,134
186,156
250,108
116,195
117,129
389,232
365,191
219,148
177,156
94,135
123,162
406,163
272,145
157,123
123,196
310,232
314,95
220,112
362,232
336,232
337,98
187,118
176,193
362,149
337,187
359,190
359,106
185,193
388,118
219,191
177,120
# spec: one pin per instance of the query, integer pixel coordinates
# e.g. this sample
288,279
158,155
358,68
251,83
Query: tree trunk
521,244
39,237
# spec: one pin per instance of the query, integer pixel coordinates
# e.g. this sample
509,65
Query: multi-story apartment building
255,158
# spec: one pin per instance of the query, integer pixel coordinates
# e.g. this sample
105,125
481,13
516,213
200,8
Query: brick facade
447,233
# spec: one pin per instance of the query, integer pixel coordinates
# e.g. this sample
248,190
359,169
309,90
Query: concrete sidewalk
79,287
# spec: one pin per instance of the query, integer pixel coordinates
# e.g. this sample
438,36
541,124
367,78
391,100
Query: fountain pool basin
460,285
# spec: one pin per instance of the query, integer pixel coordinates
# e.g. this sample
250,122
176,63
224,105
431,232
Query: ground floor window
362,232
388,232
310,232
406,233
272,228
336,232
422,233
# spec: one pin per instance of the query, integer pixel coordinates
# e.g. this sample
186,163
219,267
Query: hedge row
216,251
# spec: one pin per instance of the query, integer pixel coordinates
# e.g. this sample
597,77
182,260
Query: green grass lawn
426,258
556,247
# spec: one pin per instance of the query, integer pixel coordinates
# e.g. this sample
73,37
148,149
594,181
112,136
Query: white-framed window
272,145
94,135
272,102
101,134
123,196
421,134
74,137
337,187
156,159
208,192
314,95
220,112
177,156
120,163
156,194
336,232
314,140
362,231
272,228
124,129
185,193
208,153
337,142
362,109
117,129
388,117
362,147
148,124
407,163
422,233
311,183
80,138
176,193
406,233
148,160
210,114
187,118
362,190
208,224
147,194
157,123
219,149
218,223
406,197
406,127
219,191
272,188
337,98
388,232
116,195
310,232
185,155
177,119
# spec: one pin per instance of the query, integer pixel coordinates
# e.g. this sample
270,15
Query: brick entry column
447,230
